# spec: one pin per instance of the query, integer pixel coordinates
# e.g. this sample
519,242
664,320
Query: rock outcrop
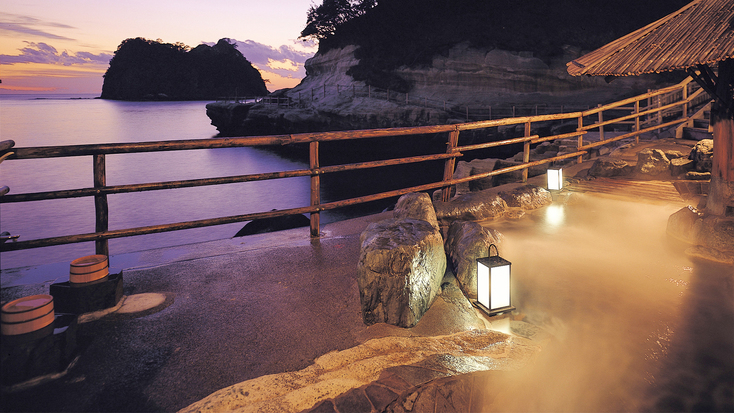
510,202
465,242
711,237
652,162
466,77
702,155
401,265
416,206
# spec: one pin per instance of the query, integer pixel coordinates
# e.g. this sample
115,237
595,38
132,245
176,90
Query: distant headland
144,69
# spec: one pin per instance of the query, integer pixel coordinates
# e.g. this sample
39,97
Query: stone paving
385,374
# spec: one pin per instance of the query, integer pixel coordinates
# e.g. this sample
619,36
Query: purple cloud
26,25
266,57
45,53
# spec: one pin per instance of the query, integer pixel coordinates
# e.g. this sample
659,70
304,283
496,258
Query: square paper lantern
555,179
493,284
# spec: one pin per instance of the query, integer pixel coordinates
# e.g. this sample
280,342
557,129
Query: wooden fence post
601,127
526,152
448,169
637,121
315,186
100,205
580,159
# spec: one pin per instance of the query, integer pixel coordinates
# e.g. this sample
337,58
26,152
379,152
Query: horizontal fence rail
648,112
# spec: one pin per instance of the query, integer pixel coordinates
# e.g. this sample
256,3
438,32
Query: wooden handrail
100,191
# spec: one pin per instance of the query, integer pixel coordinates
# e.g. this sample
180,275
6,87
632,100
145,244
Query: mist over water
638,326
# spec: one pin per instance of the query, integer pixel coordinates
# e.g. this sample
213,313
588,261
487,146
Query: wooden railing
662,108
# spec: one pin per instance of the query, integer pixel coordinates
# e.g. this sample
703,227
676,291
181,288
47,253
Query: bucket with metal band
88,269
27,314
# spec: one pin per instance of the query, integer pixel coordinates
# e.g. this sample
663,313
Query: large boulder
465,242
527,197
681,166
474,206
401,265
416,205
711,236
652,162
702,155
605,168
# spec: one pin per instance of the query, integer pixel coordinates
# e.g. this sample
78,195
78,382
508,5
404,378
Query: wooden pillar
526,152
601,128
637,121
448,169
315,187
100,205
580,159
721,192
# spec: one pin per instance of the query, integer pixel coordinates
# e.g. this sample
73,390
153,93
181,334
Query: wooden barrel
27,314
88,269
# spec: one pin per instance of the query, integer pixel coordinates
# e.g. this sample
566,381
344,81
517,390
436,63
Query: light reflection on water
639,326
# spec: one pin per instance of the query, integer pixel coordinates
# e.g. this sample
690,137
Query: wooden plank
496,143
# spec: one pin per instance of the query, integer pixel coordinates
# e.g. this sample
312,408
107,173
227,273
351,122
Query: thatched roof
702,32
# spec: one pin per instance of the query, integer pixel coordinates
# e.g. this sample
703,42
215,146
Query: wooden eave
701,33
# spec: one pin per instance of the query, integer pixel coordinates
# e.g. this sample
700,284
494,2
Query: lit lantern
555,179
493,283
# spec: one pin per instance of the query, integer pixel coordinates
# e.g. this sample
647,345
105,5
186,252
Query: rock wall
466,76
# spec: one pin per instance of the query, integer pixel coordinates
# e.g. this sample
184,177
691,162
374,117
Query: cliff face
465,78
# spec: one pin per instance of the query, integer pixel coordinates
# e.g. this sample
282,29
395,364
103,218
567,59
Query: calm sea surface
67,120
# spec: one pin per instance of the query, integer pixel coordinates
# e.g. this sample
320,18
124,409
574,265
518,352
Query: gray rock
680,166
685,225
463,170
474,206
416,206
527,197
401,265
652,162
717,233
702,155
466,241
711,236
509,177
478,167
604,167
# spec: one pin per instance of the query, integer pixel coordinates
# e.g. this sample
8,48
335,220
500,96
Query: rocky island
151,70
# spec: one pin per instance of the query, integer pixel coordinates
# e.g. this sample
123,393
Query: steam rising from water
602,276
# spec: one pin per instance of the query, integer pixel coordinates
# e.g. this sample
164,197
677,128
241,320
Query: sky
64,46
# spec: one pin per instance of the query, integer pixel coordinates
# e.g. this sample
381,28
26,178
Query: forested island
144,69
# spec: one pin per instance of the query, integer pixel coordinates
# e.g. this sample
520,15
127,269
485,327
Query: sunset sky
64,46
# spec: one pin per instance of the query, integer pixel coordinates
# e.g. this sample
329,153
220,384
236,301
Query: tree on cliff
146,69
323,20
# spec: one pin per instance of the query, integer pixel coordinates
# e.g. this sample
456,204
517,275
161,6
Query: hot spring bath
638,325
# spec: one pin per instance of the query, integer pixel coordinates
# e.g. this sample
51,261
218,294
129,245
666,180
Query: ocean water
38,120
